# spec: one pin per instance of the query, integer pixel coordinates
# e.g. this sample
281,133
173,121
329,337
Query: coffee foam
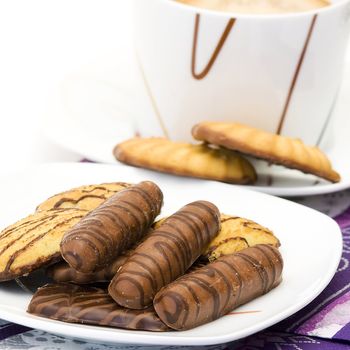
258,6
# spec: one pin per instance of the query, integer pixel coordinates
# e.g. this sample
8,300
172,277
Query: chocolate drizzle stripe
272,265
136,284
208,210
180,243
210,290
15,228
88,243
145,275
116,218
41,222
159,246
94,237
230,218
146,197
193,226
229,289
155,263
261,271
194,296
93,225
76,201
238,276
36,239
183,250
132,205
217,49
104,188
197,217
127,211
93,233
296,75
273,252
180,304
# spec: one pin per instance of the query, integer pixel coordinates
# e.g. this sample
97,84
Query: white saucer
83,111
304,275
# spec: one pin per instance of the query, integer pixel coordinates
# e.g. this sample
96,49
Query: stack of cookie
220,157
147,270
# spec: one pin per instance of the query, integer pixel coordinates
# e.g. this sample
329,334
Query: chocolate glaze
165,255
217,288
90,305
112,227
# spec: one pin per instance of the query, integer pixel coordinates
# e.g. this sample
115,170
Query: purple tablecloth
323,324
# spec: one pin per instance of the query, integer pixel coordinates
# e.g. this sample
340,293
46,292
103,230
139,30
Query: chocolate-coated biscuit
165,255
217,288
84,197
34,241
238,233
92,306
186,159
111,228
277,149
63,273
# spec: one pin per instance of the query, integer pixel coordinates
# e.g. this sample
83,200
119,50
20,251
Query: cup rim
261,16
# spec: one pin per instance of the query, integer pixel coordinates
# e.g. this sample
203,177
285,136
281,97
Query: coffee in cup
258,6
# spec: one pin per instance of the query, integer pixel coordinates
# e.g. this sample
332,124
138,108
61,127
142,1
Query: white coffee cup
278,72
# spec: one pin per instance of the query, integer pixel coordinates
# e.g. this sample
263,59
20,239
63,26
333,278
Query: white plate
311,248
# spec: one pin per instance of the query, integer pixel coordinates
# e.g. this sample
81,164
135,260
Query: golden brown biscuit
34,241
236,234
277,149
185,159
86,197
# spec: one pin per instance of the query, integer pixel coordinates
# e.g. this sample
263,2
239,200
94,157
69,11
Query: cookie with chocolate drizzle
34,241
86,197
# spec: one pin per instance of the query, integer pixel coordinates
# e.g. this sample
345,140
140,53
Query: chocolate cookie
277,149
92,306
217,288
184,159
114,226
62,272
165,255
